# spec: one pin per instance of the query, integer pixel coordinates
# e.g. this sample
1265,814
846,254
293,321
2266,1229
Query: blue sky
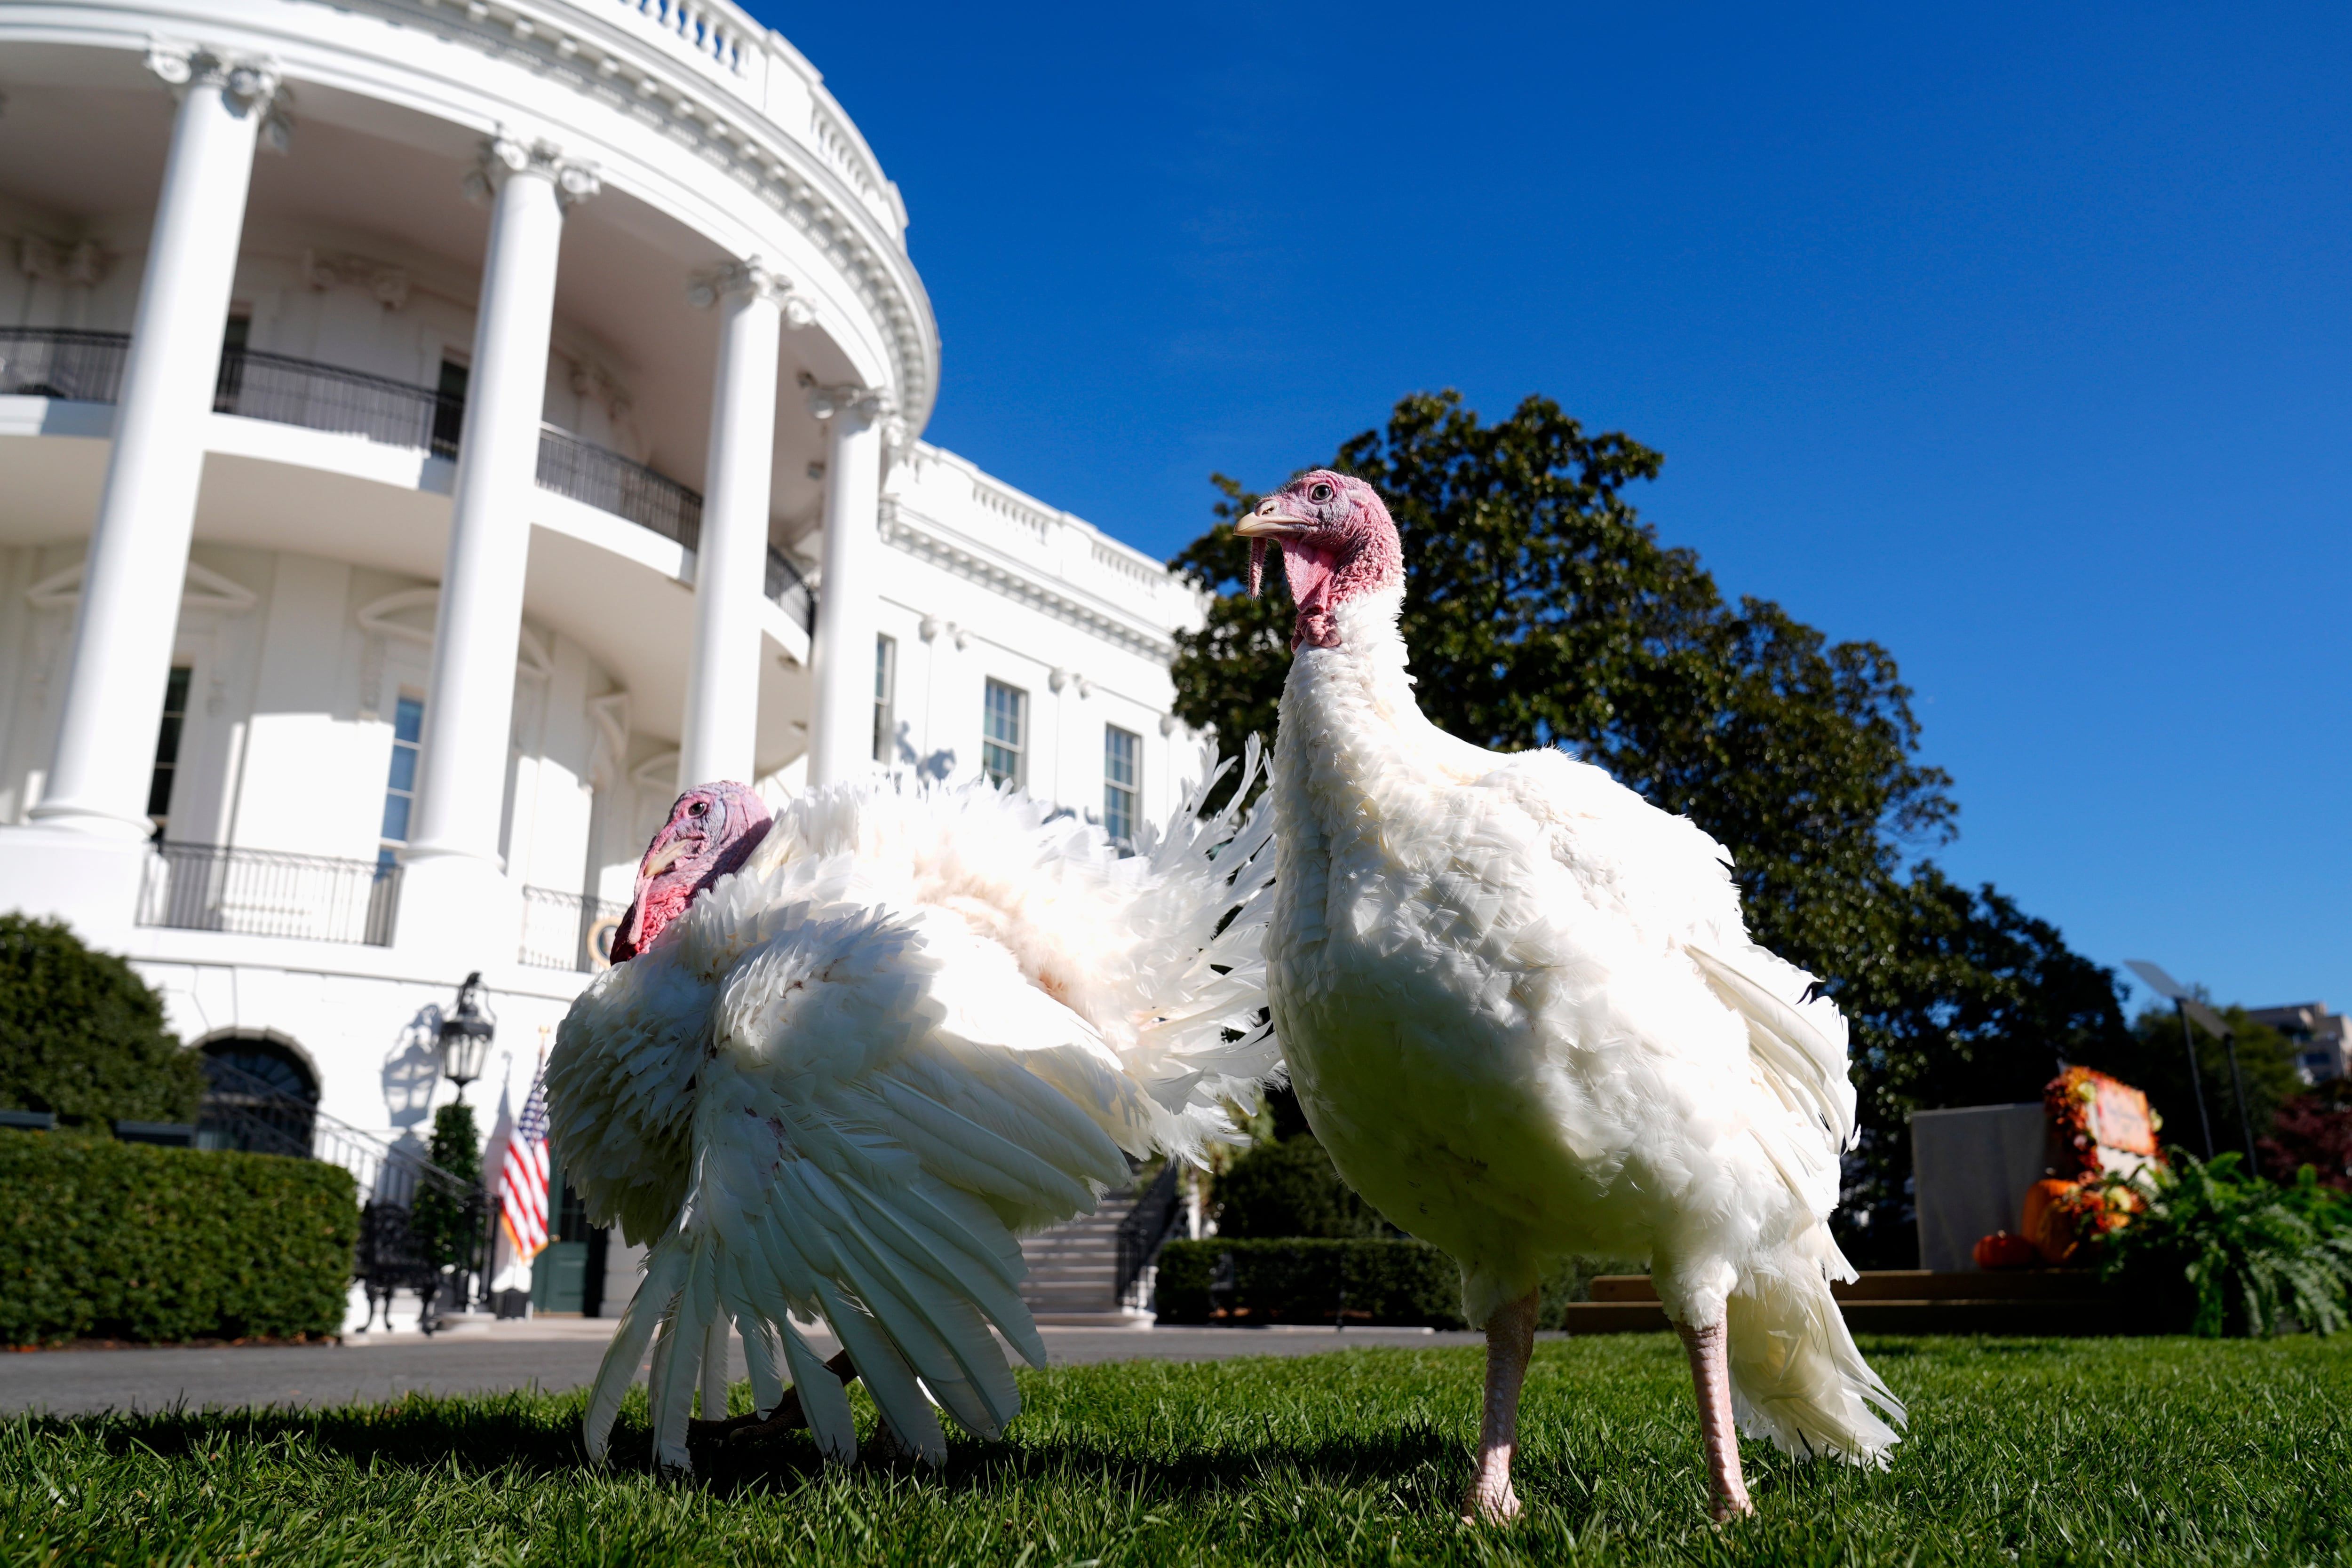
2018,340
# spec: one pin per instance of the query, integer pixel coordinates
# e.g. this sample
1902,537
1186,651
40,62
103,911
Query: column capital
754,279
504,156
249,84
864,405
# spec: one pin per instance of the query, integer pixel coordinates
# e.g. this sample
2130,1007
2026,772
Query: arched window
259,1096
264,1060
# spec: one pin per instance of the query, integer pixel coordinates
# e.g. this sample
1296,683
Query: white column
452,861
731,559
846,618
130,611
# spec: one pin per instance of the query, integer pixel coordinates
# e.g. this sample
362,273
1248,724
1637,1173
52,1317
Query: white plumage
1523,1014
919,1021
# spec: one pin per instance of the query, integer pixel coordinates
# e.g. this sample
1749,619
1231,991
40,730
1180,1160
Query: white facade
460,404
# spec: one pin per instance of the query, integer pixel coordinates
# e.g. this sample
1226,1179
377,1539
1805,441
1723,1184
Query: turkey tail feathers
1798,1378
1801,1063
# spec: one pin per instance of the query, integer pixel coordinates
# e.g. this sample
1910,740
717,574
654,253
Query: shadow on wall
412,1068
935,767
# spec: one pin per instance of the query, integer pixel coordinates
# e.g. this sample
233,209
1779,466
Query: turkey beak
660,858
1271,522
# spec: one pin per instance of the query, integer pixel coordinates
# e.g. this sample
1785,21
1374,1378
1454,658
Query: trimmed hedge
82,1035
1302,1280
101,1240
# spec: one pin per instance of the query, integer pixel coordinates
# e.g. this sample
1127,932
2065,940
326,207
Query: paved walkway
551,1353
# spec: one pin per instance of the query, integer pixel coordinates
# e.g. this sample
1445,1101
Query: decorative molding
925,546
862,403
590,380
199,590
331,270
752,277
84,263
745,146
504,156
250,83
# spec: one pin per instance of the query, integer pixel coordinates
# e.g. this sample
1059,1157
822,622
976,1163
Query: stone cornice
907,533
822,180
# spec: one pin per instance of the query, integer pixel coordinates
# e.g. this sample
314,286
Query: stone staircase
1074,1267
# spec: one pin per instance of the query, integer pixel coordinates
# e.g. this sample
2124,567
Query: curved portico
430,433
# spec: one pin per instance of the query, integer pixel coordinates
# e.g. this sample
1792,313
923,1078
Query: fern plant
2254,1253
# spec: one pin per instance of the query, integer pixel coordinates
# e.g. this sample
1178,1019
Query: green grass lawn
2128,1451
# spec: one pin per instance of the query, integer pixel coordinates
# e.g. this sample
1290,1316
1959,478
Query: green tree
82,1035
1541,611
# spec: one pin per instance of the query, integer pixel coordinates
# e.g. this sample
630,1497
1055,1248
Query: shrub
82,1035
2251,1252
1311,1281
126,1241
2316,1130
1291,1188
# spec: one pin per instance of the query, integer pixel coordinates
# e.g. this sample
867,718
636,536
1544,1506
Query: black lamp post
466,1036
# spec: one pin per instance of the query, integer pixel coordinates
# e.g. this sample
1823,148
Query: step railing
249,1114
1158,1213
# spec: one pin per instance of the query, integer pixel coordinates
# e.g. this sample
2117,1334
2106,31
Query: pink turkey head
711,831
1337,541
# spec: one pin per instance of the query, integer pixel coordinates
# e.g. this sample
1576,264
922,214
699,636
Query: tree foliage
1541,611
82,1035
449,1225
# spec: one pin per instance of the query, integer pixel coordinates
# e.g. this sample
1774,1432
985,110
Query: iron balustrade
62,362
611,483
87,367
567,930
284,390
265,892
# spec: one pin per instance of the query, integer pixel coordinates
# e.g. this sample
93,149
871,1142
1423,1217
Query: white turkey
1523,1014
845,1057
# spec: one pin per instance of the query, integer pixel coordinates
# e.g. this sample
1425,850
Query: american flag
523,1185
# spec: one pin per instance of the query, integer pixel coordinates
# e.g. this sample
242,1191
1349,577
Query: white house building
431,432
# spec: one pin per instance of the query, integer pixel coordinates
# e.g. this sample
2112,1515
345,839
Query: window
449,408
885,681
1001,749
400,788
167,747
236,337
1121,750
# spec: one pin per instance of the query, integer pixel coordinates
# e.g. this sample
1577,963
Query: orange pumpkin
2049,1223
2002,1250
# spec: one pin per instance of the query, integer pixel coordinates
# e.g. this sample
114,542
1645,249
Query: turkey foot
1510,1340
787,1417
1711,1377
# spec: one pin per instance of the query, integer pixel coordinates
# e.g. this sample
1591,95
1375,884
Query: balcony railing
609,482
87,367
567,930
263,892
319,397
43,362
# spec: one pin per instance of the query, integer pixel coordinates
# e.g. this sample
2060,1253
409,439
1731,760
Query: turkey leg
1711,1376
787,1417
1510,1340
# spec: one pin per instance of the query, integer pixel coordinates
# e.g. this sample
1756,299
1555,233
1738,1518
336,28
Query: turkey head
711,831
1338,540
